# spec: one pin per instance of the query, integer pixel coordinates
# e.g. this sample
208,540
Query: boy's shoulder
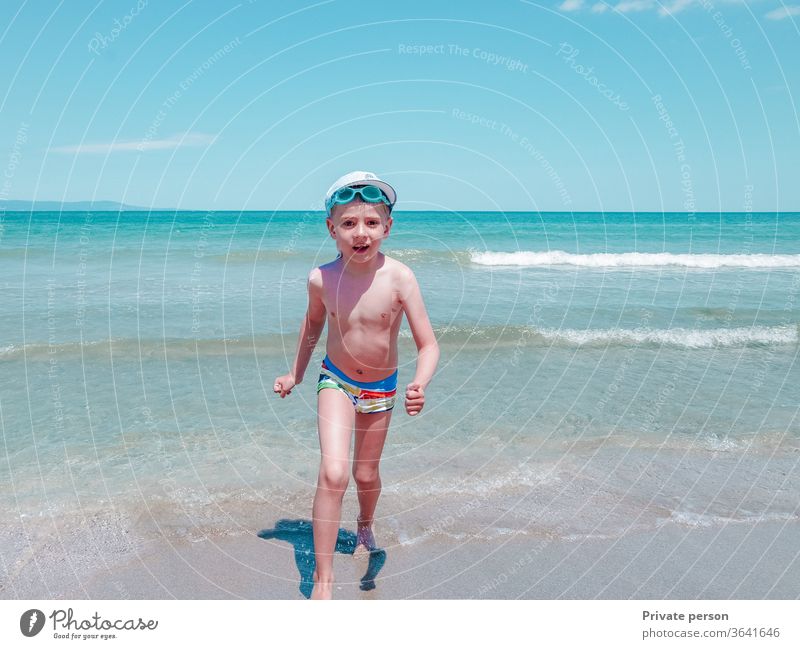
316,273
402,277
398,269
315,277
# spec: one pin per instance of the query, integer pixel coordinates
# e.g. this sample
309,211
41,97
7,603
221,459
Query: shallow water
139,350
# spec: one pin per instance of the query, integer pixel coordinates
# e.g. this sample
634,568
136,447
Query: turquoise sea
599,372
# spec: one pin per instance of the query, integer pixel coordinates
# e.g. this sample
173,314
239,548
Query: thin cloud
667,7
675,7
627,6
782,13
173,142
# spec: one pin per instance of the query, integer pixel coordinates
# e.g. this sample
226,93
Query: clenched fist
284,384
415,398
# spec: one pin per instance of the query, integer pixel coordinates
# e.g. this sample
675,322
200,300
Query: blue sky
685,105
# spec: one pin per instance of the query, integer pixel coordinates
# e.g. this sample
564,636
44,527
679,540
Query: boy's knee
334,476
365,476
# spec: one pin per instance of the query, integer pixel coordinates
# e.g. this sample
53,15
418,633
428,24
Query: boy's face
359,228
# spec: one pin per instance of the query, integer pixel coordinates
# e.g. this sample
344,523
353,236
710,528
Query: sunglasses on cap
368,194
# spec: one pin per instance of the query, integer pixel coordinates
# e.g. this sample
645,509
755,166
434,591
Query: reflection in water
300,534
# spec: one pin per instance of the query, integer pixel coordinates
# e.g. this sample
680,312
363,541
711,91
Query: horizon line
125,207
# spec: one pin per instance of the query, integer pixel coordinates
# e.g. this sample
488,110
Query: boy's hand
415,398
284,384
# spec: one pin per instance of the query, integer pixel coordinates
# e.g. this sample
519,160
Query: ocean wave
264,255
469,338
632,259
134,348
762,441
429,255
677,337
499,336
25,253
702,519
252,256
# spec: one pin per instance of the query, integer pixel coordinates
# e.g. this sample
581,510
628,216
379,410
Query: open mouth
360,248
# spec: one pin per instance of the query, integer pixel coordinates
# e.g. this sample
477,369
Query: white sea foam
479,485
701,519
632,259
677,337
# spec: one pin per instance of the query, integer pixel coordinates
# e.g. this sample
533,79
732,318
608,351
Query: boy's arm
312,327
420,324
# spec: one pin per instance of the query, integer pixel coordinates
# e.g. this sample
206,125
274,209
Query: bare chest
363,305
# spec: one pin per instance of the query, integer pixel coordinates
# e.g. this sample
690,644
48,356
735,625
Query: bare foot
322,589
365,539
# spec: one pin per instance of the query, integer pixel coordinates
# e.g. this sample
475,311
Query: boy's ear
331,230
388,226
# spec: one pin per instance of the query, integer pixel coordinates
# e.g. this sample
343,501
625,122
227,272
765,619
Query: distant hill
77,206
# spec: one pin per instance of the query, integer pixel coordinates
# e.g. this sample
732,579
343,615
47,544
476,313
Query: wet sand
750,560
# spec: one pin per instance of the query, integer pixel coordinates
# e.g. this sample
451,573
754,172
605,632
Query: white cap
361,178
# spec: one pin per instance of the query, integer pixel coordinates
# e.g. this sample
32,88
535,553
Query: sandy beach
104,561
661,525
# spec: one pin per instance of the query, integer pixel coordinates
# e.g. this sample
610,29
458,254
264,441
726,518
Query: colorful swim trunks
374,396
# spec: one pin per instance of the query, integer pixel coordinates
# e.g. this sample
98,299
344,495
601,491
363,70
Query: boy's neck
362,270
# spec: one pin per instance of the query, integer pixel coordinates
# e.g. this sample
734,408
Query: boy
364,295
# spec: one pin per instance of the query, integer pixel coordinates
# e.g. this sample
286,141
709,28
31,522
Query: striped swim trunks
373,396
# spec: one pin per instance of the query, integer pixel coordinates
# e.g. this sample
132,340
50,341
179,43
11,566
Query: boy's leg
370,436
335,419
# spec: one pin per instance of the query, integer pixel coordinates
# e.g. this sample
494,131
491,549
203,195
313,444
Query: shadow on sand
300,534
